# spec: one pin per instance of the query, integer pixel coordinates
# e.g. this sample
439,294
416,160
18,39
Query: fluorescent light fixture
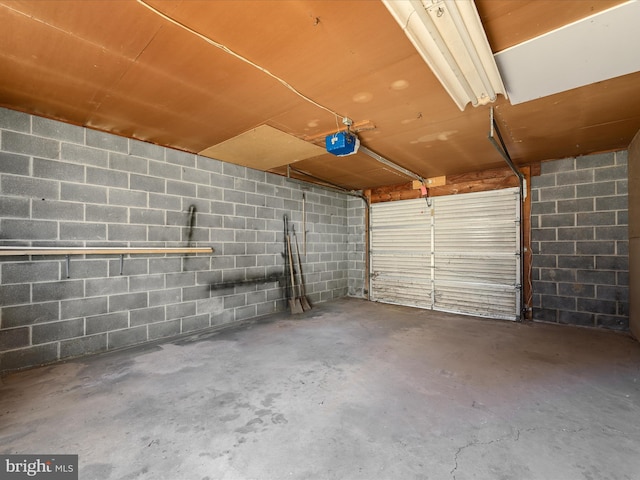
449,36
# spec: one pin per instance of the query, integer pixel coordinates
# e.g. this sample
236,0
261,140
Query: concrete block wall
63,185
357,247
580,244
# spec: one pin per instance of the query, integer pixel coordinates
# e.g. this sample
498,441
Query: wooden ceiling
118,66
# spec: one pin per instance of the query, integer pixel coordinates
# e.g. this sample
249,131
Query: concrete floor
348,390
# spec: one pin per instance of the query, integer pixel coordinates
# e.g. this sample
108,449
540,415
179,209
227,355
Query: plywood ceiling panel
263,148
119,67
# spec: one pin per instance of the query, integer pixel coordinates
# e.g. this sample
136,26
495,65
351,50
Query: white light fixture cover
449,36
590,50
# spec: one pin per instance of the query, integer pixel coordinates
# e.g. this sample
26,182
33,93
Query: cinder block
132,266
209,193
540,208
596,218
165,265
610,262
574,233
146,150
195,176
55,210
622,187
196,322
576,261
128,198
105,214
208,164
54,331
622,248
596,277
164,297
15,164
29,314
233,196
146,216
30,145
233,222
180,158
164,170
548,261
106,286
126,337
13,338
128,163
15,207
14,120
107,322
82,231
147,183
63,290
576,318
619,172
127,301
182,189
144,316
615,293
575,177
233,170
599,189
563,165
107,178
595,161
622,218
182,279
605,307
557,248
18,229
45,127
164,234
579,205
83,307
545,315
196,293
596,248
27,272
30,187
28,357
222,208
613,322
576,290
612,233
180,310
77,347
84,155
244,313
140,283
619,202
127,233
106,141
557,275
164,202
164,329
83,193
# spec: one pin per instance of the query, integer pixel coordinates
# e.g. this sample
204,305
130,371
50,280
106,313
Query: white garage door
461,254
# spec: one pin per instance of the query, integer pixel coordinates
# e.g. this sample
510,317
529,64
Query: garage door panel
459,254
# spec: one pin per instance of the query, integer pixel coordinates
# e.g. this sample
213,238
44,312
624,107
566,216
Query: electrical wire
226,49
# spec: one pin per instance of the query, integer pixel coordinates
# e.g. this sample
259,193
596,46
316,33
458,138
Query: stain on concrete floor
348,390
